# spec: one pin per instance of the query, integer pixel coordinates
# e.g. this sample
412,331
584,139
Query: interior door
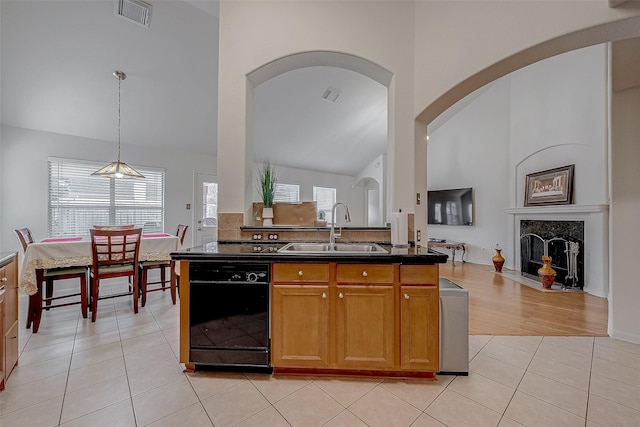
206,209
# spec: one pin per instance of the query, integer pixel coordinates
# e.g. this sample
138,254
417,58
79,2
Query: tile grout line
126,372
66,384
502,416
586,413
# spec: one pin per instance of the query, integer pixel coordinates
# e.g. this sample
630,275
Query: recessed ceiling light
331,94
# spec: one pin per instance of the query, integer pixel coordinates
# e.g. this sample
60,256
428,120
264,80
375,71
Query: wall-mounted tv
450,207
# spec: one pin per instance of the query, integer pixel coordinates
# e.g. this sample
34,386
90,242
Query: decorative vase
267,217
498,260
546,273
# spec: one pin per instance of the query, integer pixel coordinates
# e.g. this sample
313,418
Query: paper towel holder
399,232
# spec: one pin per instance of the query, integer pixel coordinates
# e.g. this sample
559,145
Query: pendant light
118,169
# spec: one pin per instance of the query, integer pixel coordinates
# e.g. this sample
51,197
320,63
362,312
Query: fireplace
593,256
564,241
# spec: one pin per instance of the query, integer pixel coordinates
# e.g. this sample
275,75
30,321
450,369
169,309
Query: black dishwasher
229,315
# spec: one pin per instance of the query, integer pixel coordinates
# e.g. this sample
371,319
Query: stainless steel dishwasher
454,328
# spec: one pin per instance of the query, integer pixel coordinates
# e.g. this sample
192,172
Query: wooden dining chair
46,278
115,254
171,283
114,227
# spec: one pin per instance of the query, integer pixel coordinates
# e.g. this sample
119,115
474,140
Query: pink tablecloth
61,239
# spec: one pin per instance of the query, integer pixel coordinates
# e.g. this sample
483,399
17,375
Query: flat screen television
450,207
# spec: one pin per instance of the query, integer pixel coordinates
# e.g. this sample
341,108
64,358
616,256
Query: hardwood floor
501,306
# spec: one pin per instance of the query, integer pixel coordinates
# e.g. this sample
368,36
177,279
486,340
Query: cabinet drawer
364,273
300,272
419,274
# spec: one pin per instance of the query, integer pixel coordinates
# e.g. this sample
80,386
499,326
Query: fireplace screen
564,241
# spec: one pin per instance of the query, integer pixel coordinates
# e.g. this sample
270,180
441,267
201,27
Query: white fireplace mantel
558,209
596,238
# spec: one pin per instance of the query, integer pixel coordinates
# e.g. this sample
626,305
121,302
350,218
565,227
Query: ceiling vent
135,11
331,94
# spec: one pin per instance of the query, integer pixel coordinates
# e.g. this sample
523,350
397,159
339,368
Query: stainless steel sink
324,248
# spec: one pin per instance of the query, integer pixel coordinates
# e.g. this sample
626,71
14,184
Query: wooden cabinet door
10,349
300,326
419,328
364,326
9,278
2,358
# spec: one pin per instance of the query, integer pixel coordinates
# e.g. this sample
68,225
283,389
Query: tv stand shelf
452,246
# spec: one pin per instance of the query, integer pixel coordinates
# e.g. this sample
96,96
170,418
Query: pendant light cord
119,116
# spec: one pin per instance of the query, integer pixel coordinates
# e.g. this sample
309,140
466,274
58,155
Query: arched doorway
289,139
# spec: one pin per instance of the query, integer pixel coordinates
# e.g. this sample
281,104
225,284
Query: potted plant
266,186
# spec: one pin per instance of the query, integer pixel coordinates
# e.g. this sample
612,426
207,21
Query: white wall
466,40
472,150
547,115
1,196
624,298
558,116
23,175
254,33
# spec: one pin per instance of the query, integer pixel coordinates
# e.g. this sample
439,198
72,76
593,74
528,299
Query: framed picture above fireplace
550,187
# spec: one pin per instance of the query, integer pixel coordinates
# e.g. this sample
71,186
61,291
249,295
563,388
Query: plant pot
546,273
498,260
267,217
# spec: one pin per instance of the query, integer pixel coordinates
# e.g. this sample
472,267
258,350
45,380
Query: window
325,198
210,204
286,193
78,201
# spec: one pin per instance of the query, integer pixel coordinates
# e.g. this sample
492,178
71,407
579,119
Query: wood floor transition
501,306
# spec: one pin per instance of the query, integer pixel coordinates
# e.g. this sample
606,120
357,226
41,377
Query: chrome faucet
347,218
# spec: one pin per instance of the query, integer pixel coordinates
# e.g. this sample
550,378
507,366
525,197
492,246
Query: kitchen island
246,306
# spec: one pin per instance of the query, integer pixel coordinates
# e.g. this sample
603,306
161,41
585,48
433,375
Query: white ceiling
294,126
57,64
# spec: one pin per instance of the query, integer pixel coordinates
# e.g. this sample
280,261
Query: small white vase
267,216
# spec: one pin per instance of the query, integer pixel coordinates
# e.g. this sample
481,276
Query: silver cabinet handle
324,295
340,295
406,296
4,279
364,274
300,273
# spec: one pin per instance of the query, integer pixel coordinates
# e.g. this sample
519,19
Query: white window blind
286,193
78,201
325,198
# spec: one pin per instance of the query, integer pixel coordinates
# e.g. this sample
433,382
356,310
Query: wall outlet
419,236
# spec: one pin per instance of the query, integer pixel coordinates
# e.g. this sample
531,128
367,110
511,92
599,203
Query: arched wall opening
604,33
617,237
349,62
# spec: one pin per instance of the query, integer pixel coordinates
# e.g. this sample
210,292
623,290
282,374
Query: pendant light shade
118,169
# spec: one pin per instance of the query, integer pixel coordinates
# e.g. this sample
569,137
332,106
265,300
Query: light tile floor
123,371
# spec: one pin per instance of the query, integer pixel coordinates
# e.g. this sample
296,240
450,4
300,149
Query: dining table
58,252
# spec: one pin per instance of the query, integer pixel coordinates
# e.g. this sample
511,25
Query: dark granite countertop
252,252
313,227
6,257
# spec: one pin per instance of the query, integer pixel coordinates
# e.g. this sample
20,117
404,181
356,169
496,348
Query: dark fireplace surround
532,248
